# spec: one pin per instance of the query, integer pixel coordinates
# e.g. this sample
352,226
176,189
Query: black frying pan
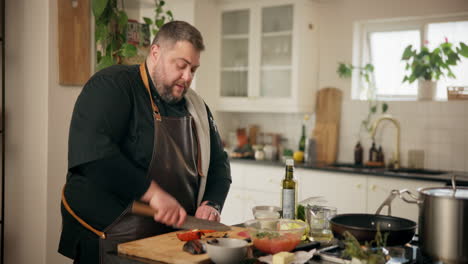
364,227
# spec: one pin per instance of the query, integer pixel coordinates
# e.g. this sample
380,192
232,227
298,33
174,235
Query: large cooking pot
443,222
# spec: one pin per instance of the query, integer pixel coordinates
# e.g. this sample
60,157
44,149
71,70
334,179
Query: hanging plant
110,38
345,71
160,17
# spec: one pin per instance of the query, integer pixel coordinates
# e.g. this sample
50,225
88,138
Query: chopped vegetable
194,247
193,234
243,234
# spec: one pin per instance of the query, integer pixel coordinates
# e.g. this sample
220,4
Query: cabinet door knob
373,187
358,186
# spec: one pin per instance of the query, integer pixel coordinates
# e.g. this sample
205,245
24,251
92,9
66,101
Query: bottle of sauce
358,154
302,141
380,155
373,153
289,192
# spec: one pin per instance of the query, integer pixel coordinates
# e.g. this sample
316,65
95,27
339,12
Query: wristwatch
214,205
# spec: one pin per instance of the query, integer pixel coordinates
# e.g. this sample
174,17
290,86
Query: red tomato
286,242
187,236
193,234
243,234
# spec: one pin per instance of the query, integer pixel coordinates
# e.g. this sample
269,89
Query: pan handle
391,197
388,202
415,201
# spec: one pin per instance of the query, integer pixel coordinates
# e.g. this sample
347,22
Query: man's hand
207,212
169,211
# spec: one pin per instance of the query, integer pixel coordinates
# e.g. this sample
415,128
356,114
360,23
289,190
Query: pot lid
448,192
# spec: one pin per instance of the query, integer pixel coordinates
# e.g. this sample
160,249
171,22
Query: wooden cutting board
168,248
326,131
74,41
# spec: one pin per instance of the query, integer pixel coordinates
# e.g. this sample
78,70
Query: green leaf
463,50
105,62
148,20
161,3
384,107
100,33
369,67
159,23
344,70
373,109
128,50
171,17
122,20
98,56
98,7
407,53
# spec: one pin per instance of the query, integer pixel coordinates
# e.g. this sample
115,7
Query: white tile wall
438,128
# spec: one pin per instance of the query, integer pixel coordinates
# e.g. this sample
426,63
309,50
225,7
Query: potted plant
111,26
429,66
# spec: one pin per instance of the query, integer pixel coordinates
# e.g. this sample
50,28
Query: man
140,133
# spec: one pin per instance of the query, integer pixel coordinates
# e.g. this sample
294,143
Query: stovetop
407,254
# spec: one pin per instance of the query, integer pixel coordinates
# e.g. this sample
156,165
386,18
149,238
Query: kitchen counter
430,175
123,259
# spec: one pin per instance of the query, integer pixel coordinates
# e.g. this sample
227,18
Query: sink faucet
396,162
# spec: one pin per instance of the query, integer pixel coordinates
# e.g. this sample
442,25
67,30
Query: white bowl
266,211
227,250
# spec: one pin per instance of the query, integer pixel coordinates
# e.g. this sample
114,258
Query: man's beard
165,91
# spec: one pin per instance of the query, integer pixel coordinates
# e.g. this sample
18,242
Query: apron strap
144,78
81,221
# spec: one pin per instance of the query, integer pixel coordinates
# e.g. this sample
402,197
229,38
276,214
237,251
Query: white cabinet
252,185
255,184
269,56
346,192
380,187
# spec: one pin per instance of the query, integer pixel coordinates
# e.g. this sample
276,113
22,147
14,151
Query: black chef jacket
110,148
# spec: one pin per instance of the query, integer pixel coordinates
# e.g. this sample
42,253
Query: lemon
298,156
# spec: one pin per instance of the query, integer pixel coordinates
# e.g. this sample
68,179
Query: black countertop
427,175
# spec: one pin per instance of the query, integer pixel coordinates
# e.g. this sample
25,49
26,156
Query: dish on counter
275,235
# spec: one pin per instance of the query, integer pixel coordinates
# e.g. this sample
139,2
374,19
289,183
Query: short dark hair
175,31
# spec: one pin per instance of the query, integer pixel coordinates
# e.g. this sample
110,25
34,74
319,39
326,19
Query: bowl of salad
275,235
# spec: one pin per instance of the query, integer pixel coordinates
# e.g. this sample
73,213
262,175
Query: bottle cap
289,162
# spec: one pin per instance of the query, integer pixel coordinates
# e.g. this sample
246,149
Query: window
382,43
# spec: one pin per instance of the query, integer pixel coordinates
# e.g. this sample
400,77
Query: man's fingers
182,217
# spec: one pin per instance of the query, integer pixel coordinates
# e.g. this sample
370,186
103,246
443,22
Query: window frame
361,41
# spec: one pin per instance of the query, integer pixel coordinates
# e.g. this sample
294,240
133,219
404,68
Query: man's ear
155,52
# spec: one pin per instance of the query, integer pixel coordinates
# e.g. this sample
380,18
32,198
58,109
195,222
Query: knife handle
142,209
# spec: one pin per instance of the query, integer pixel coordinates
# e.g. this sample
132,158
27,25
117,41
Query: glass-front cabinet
269,56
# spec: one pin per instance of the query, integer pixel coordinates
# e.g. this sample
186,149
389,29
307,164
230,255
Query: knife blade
191,222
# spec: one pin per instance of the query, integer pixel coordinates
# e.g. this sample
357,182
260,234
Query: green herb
371,251
269,235
301,212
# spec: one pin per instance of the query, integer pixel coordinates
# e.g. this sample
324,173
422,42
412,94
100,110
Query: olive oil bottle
289,192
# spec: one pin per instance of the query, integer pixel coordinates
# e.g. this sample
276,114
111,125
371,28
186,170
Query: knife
191,222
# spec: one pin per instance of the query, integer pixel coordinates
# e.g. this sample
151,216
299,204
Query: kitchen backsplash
440,129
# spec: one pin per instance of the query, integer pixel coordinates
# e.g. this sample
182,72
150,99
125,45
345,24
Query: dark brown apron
175,166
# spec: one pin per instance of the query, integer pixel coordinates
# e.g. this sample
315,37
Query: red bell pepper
193,234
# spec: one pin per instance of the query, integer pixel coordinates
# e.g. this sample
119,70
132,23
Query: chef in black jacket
140,133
